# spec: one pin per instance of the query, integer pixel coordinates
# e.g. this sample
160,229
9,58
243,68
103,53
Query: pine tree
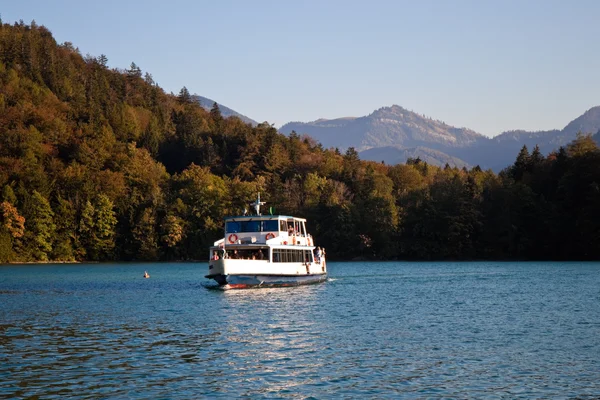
134,71
8,195
184,96
536,159
105,222
522,164
97,228
215,113
65,231
103,60
145,236
40,227
86,231
148,78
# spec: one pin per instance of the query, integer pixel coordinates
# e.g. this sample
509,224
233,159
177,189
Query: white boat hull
237,274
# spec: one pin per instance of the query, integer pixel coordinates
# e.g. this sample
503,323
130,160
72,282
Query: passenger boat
265,250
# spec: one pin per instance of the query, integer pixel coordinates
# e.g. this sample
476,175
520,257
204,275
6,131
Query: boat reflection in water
279,349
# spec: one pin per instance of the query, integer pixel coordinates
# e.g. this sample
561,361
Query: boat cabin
273,238
274,229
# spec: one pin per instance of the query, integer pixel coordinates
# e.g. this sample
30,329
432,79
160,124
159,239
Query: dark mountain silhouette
207,104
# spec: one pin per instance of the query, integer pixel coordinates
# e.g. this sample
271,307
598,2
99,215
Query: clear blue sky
487,65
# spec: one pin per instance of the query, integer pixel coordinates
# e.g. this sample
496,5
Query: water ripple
420,330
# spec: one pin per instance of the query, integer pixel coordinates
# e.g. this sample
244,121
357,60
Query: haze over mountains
392,134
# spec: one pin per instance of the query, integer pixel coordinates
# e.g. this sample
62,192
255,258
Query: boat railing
267,238
299,240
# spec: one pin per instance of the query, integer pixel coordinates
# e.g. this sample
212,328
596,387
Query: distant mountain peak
393,127
594,110
207,104
586,123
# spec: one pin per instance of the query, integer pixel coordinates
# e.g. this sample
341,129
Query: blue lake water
374,330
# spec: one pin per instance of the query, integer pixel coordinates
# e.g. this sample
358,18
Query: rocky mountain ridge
387,126
392,134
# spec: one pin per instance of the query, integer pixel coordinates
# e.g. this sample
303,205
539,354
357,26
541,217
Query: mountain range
393,134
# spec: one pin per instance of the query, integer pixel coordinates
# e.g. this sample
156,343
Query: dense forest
102,164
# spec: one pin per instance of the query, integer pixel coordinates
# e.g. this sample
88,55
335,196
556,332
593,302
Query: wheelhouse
261,225
276,229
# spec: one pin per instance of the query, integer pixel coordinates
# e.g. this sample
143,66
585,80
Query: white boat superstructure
266,250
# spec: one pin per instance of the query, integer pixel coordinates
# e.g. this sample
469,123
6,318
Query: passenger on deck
260,255
235,255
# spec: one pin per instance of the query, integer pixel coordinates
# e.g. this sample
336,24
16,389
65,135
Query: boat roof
263,217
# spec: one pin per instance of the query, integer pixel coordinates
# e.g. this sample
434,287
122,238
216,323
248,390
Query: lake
374,330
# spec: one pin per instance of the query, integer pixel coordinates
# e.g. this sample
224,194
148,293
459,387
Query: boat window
291,255
282,226
251,226
308,256
270,226
232,227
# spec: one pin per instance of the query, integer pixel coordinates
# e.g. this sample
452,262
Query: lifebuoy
270,235
232,238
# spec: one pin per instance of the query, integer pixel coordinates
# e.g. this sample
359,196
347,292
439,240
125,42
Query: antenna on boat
257,204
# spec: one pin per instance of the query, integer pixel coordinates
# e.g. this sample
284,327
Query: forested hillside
102,164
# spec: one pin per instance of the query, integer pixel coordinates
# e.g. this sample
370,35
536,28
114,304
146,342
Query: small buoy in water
146,275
